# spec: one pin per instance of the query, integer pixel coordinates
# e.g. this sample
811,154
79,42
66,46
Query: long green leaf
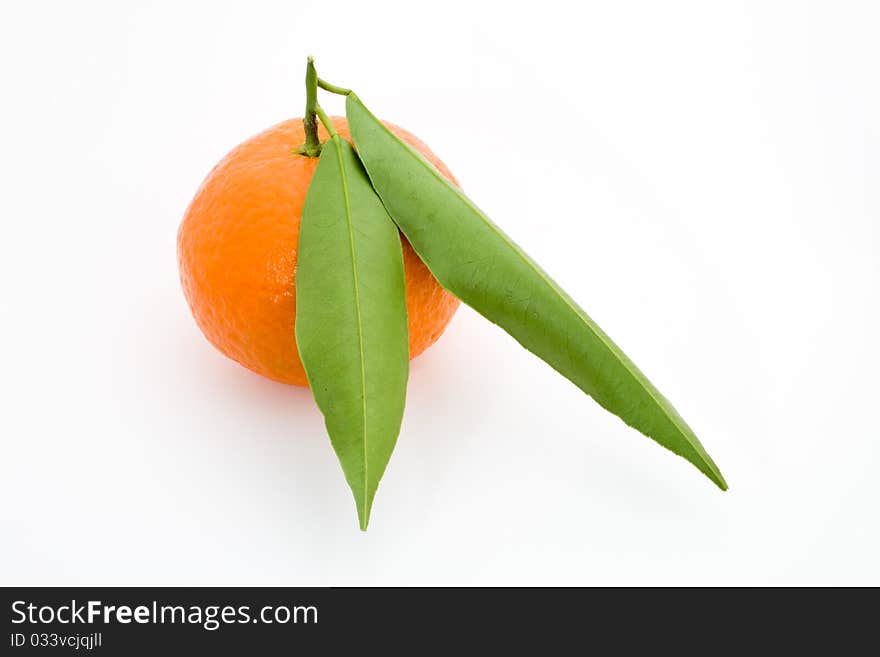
351,327
471,257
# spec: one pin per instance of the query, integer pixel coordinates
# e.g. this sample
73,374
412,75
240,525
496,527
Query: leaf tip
363,518
706,465
715,475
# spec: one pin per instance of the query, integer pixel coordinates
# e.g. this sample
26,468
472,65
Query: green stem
326,121
312,147
332,88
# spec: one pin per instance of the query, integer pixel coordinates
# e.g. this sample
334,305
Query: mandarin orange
237,249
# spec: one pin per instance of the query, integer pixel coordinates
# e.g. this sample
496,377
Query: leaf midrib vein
357,304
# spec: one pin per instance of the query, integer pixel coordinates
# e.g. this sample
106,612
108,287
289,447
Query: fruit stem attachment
312,147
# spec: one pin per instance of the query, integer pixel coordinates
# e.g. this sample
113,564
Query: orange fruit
237,245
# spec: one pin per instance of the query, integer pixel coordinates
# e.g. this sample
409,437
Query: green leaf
351,327
472,258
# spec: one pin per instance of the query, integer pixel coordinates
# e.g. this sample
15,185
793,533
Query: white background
702,177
